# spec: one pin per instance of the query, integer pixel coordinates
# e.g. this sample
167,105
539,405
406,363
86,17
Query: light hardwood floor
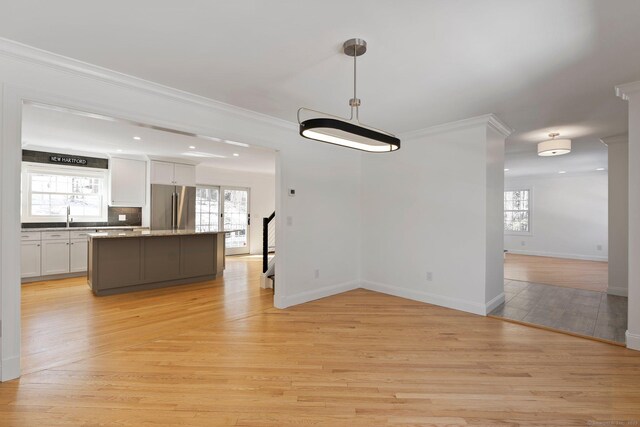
219,354
570,273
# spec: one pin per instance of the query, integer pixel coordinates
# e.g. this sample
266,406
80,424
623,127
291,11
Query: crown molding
490,120
624,91
622,138
26,53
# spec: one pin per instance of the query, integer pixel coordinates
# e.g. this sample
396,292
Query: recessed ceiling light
600,169
236,155
193,147
137,138
506,170
562,172
119,150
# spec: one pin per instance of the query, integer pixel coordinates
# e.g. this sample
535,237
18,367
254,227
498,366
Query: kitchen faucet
69,219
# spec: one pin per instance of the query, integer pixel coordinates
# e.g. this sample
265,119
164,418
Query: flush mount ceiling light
348,132
554,147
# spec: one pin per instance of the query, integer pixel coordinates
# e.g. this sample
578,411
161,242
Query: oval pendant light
348,132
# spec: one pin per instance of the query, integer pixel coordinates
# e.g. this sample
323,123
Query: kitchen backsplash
133,216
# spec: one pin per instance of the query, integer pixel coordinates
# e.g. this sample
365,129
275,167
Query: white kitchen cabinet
78,255
55,257
173,173
128,182
30,259
184,174
162,173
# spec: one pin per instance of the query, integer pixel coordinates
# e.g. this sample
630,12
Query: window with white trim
207,208
48,190
517,204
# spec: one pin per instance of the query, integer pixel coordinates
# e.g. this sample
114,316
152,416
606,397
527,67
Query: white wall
319,237
262,200
427,209
494,223
618,147
631,92
568,217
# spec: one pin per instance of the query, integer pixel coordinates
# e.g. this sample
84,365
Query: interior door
235,217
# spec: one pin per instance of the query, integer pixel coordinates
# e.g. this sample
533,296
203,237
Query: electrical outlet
289,220
316,274
599,247
523,243
122,217
429,276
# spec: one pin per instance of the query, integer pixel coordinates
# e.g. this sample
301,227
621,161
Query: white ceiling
540,65
67,132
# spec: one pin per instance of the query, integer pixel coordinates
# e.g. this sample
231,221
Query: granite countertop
112,234
110,227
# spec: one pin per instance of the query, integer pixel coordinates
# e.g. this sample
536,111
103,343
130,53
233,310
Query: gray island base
137,260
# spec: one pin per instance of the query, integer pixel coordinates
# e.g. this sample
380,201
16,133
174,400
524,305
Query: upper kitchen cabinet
128,182
173,173
184,174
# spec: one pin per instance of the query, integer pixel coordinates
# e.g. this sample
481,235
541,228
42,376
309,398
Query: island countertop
113,234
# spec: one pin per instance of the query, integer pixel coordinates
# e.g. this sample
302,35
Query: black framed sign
64,159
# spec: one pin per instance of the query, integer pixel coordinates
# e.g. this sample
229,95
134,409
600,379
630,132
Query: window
207,208
47,191
517,218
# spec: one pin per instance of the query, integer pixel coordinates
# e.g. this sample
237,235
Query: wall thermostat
292,192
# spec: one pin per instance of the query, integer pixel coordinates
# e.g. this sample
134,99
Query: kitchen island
125,261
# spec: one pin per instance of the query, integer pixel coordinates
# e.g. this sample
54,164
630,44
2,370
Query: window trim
29,168
530,210
210,186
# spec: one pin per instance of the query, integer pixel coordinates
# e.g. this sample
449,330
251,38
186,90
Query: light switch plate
122,217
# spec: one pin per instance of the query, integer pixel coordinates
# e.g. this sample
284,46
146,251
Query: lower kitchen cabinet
78,255
55,257
30,259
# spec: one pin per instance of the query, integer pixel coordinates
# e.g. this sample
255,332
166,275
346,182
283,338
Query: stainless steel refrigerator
173,207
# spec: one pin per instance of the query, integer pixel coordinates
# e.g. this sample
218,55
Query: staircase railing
268,239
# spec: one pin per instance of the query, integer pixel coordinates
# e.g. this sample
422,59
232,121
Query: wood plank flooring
570,273
62,321
218,354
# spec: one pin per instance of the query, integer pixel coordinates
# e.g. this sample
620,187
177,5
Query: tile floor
580,311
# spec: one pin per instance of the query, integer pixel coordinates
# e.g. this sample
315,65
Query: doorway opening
556,242
85,174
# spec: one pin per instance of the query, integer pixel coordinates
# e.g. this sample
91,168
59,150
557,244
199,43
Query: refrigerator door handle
173,211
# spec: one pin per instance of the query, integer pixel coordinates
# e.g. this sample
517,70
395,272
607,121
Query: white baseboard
495,302
266,282
441,300
302,297
619,291
10,369
633,341
558,255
